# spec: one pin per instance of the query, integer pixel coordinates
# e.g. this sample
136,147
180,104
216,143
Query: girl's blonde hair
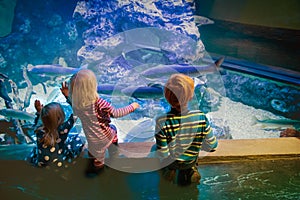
179,90
52,116
83,89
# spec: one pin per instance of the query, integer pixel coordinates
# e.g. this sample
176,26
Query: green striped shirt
182,136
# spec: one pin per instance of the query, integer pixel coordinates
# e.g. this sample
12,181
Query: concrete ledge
231,150
228,150
267,146
253,149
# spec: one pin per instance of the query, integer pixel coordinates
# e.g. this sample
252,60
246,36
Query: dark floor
273,179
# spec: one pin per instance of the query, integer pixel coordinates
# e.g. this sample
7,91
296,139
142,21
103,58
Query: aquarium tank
242,56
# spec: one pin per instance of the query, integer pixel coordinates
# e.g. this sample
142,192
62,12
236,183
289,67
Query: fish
53,70
200,20
16,114
191,70
110,89
283,123
154,91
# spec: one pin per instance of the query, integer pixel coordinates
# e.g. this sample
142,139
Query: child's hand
64,89
135,105
38,106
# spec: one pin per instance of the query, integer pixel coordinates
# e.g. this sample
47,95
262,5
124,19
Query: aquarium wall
276,14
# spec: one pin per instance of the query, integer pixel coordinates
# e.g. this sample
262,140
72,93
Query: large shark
110,89
154,91
269,123
191,70
52,70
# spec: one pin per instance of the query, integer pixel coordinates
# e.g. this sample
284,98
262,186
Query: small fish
277,123
200,20
191,70
17,114
144,92
52,70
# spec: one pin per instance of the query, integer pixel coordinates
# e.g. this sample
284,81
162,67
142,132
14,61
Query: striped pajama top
95,121
181,136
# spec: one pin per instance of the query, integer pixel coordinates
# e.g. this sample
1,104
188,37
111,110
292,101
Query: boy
180,133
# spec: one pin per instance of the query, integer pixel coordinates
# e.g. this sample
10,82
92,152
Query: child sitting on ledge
181,133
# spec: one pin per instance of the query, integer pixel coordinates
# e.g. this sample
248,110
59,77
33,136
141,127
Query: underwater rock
71,31
209,100
56,20
26,27
32,40
263,94
173,31
290,132
220,128
62,62
279,105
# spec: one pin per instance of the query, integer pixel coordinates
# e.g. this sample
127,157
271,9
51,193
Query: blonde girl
95,114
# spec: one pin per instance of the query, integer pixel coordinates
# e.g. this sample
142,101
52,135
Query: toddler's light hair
83,89
179,90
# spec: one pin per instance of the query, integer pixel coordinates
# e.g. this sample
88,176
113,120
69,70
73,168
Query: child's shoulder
164,117
100,100
101,103
196,112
